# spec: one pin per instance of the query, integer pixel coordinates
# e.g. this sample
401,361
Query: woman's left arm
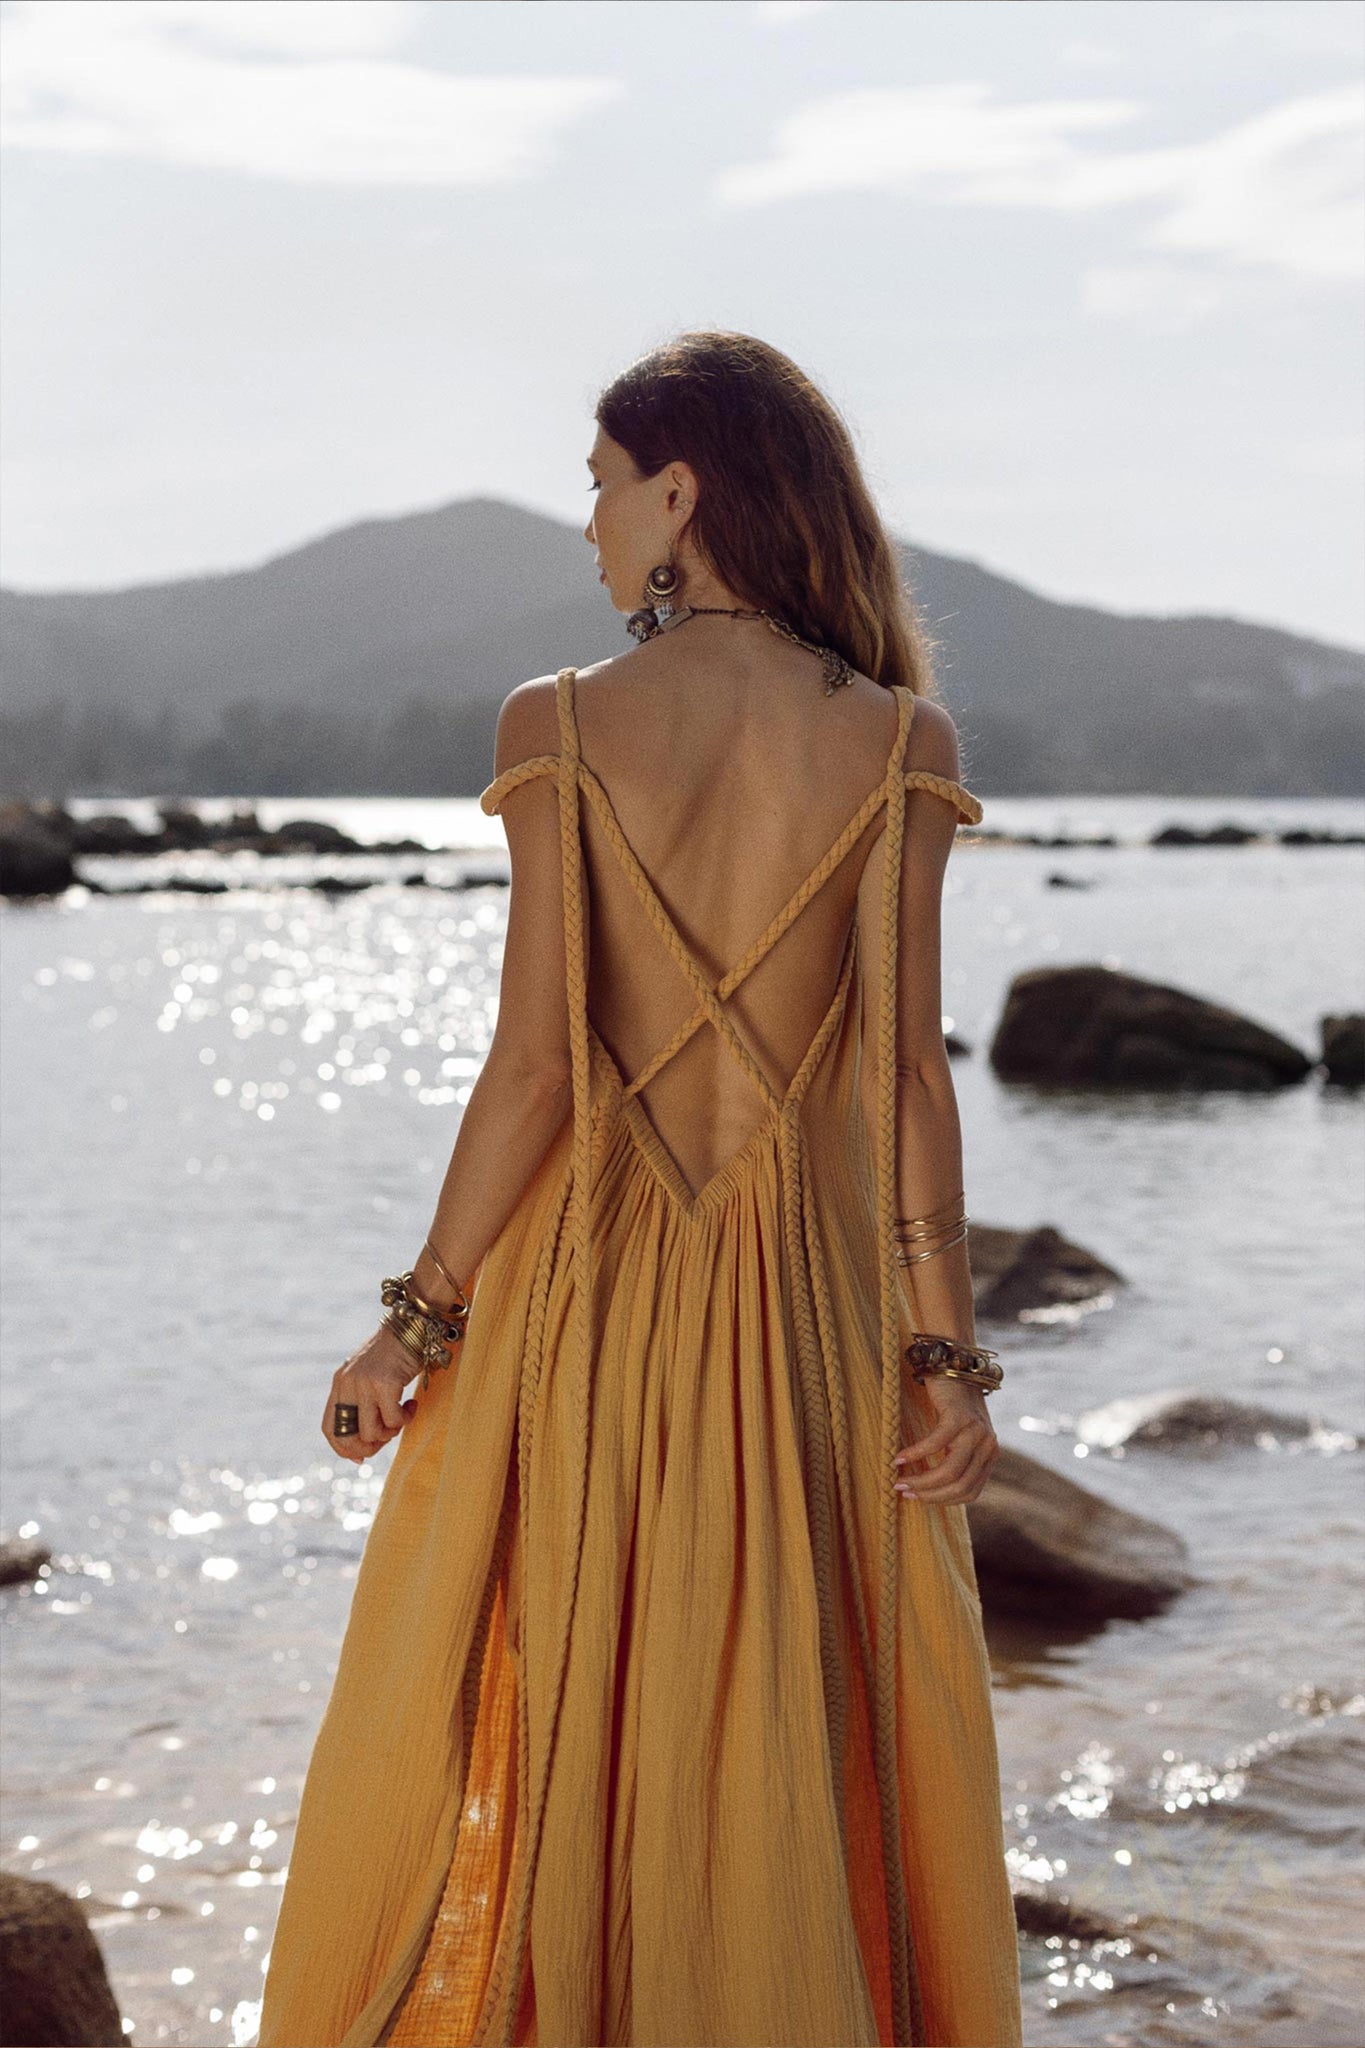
524,1089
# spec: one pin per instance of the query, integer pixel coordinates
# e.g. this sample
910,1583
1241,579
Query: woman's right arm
936,1293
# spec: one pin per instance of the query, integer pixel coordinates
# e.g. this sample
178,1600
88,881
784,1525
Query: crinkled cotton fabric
659,1717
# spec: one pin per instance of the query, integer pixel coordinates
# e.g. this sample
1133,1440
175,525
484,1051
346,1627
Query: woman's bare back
731,774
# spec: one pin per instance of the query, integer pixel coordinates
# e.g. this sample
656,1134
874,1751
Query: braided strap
907,2005
490,799
968,807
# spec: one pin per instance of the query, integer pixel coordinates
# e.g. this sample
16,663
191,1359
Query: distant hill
375,658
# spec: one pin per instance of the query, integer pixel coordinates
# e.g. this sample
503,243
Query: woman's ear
682,492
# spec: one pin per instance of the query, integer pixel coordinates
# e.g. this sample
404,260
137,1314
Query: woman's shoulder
528,723
933,740
528,720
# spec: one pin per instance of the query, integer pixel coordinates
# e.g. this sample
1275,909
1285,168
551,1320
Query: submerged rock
340,885
1343,1049
1205,835
1047,1547
54,1987
1179,1419
111,832
20,1560
182,830
307,835
1041,1912
1092,1027
35,856
1014,1270
997,835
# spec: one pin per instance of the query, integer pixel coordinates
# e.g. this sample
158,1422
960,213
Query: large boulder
1048,1548
1343,1049
1092,1027
54,1989
35,853
1014,1270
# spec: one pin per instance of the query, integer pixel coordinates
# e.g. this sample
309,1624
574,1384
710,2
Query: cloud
300,90
1280,190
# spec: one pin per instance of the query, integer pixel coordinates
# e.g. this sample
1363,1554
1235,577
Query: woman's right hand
949,1466
373,1378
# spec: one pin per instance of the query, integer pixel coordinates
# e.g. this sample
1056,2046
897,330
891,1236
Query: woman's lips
601,575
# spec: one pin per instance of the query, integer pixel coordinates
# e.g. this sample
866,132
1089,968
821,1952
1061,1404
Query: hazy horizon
539,511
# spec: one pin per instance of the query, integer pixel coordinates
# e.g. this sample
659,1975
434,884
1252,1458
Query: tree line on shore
418,747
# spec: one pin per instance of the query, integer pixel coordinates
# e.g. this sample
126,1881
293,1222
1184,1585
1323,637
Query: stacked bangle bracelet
927,1354
428,1332
947,1223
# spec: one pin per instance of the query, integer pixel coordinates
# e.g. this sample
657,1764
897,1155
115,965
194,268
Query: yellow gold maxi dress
659,1717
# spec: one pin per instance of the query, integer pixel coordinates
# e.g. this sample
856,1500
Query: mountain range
374,659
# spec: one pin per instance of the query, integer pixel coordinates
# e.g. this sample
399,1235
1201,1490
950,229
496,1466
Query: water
225,1117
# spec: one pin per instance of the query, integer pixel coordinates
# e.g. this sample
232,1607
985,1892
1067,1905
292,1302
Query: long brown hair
784,515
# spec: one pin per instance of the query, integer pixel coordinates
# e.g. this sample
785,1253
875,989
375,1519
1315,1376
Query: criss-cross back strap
711,997
823,1414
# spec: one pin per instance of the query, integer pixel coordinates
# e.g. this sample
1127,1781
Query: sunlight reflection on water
233,1114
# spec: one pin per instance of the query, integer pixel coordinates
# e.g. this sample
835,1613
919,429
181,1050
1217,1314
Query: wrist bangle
928,1354
429,1333
904,1258
443,1269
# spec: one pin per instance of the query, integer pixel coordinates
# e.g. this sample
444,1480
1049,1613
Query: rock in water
1092,1027
1041,1912
54,1988
20,1560
1343,1049
111,832
35,859
1179,1419
1046,1547
311,835
1014,1270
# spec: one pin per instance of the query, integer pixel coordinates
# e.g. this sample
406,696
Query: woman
662,1714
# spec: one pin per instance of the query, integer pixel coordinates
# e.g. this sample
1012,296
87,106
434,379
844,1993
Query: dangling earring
661,586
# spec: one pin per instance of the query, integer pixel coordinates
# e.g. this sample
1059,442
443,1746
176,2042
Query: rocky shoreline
41,841
1082,1026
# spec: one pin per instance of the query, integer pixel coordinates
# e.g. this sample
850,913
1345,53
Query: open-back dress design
659,1717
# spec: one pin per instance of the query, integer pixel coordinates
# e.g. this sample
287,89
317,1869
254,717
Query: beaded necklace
837,670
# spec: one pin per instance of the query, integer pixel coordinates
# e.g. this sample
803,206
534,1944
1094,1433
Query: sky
1084,276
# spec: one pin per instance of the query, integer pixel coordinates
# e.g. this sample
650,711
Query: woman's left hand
373,1377
949,1466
